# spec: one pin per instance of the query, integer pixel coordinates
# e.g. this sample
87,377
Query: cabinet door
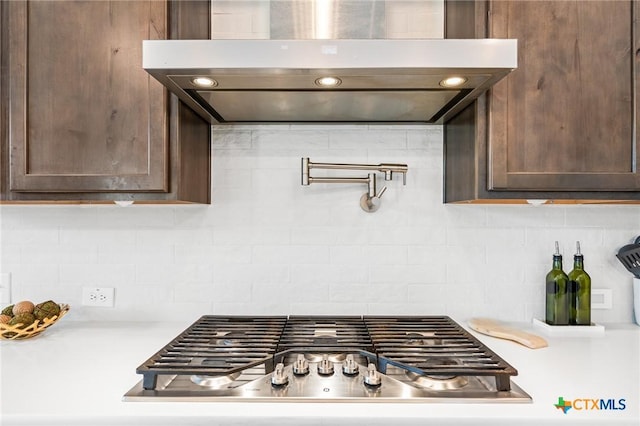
566,119
83,114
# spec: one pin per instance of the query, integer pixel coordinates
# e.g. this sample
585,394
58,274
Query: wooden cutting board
498,329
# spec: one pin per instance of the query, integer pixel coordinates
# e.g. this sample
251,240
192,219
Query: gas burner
223,338
438,381
422,339
215,382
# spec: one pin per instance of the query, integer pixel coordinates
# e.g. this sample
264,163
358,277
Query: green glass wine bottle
579,291
557,303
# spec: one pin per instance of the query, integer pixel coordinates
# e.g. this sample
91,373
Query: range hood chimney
327,61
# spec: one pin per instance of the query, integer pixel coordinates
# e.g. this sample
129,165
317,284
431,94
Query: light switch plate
601,298
5,288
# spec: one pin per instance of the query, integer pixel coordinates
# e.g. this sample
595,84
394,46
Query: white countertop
76,373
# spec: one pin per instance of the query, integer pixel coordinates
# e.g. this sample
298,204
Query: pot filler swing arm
370,200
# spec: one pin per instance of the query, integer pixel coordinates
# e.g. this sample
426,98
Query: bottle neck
557,262
578,262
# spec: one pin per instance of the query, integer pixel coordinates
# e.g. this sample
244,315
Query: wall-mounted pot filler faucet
370,201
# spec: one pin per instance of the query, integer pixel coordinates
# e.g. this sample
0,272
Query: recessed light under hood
376,80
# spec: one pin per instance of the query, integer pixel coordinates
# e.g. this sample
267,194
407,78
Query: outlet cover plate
601,298
98,296
5,288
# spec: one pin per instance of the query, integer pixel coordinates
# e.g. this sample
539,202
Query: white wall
268,245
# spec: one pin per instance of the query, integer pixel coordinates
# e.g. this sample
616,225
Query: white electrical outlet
5,288
98,296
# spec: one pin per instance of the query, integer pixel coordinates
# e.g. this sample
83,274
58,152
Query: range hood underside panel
328,106
266,81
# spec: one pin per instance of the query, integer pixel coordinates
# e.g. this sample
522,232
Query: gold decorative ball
4,319
24,307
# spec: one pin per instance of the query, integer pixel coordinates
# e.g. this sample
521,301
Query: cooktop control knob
301,366
372,378
349,367
325,367
279,378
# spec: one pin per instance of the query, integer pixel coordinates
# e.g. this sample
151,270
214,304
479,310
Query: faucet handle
371,204
370,200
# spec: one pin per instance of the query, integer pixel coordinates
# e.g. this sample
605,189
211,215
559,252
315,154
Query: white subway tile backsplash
271,215
173,236
315,234
371,140
32,274
543,216
89,275
365,293
295,141
413,274
385,254
57,254
490,237
306,254
269,246
348,274
463,216
212,254
428,293
116,217
233,180
170,274
311,274
279,292
250,308
427,254
10,255
348,255
230,139
223,235
117,254
19,236
310,307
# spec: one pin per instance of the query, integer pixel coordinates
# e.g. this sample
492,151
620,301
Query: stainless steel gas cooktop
330,359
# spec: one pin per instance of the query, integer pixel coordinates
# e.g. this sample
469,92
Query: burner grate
435,345
216,345
309,333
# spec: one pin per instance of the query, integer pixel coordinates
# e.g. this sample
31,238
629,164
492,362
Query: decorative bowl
15,332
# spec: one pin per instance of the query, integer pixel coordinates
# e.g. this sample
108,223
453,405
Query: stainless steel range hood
378,80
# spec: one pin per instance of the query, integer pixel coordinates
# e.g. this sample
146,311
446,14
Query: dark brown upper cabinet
563,125
82,121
